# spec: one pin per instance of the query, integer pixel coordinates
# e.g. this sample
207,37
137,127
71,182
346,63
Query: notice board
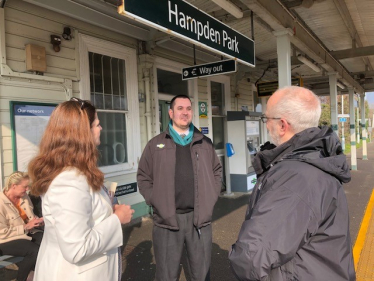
28,122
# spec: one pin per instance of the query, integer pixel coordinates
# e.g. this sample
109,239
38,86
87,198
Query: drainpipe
147,113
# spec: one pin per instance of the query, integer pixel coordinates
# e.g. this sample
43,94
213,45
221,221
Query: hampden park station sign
181,19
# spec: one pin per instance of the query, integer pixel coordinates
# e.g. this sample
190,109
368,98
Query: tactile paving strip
365,268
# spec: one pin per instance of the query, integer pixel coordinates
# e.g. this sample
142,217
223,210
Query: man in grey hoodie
297,223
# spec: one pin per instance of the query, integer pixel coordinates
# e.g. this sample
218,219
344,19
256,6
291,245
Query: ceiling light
229,7
309,63
340,85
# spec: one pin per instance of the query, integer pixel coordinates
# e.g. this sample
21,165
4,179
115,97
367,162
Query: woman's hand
40,221
123,212
34,223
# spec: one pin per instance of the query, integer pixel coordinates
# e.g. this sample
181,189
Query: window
171,83
218,118
110,85
108,93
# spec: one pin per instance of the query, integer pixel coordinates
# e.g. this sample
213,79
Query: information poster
203,109
253,128
29,121
126,189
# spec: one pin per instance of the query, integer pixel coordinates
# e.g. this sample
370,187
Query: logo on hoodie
161,145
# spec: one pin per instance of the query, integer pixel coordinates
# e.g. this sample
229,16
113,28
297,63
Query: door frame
165,64
227,88
225,80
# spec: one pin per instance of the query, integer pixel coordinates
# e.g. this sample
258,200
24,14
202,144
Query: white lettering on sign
231,43
205,70
210,70
34,111
202,30
218,68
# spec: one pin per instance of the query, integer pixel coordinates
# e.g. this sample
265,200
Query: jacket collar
6,200
197,135
265,159
317,146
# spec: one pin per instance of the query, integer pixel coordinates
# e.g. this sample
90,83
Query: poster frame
13,128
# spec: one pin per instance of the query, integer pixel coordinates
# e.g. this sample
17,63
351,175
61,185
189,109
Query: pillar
333,102
284,56
352,120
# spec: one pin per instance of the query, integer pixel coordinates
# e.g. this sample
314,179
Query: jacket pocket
12,217
91,263
288,271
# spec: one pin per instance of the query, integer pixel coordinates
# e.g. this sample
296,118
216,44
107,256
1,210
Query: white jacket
81,234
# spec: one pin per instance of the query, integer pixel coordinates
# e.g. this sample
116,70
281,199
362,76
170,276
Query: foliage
325,119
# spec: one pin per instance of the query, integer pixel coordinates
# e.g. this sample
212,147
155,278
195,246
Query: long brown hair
67,142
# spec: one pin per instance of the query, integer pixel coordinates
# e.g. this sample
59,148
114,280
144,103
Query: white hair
299,106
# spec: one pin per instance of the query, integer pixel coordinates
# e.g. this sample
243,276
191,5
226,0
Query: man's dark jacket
156,177
297,223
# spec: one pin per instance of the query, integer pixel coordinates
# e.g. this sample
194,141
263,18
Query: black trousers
24,248
168,246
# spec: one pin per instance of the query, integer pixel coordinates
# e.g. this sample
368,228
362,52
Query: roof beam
353,53
365,73
278,17
369,87
96,13
229,7
346,16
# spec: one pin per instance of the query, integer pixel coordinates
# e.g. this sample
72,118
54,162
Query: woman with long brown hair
82,229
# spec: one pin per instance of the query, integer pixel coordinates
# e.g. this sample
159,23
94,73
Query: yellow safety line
363,230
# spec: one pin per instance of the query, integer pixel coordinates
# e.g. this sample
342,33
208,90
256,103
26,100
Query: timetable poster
29,123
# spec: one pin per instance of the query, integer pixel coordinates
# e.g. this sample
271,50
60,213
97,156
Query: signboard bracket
194,54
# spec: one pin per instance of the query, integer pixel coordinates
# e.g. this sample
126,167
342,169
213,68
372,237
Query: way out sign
209,69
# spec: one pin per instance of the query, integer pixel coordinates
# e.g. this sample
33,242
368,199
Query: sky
369,96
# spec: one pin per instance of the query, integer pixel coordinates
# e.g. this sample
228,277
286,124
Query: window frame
91,44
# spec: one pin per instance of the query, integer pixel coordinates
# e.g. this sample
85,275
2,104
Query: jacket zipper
197,193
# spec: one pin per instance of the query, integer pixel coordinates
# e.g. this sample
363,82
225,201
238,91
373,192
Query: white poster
29,124
253,128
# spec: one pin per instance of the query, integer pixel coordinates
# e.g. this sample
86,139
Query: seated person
18,223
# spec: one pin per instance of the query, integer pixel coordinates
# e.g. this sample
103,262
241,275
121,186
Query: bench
8,260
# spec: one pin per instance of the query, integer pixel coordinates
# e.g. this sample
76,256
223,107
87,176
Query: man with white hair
297,223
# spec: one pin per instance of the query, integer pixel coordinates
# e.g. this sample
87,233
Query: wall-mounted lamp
67,33
340,85
2,3
141,97
309,63
56,42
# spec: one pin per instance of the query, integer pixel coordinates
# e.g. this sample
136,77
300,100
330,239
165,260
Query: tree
325,119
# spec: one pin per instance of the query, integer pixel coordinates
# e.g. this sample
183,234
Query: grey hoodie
297,223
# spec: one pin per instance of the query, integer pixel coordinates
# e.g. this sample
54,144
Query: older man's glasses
265,119
82,103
